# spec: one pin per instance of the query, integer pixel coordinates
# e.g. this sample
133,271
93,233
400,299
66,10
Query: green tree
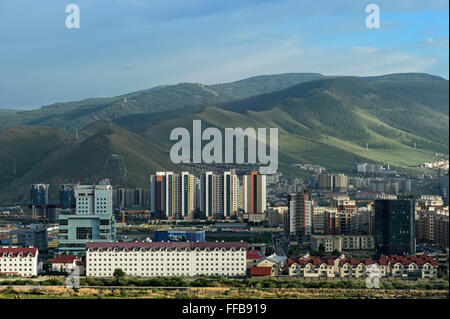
119,276
321,249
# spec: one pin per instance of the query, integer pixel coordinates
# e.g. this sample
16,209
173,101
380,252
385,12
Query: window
84,233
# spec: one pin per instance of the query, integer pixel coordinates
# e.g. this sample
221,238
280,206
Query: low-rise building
63,263
277,263
352,242
253,257
261,271
150,259
19,261
350,268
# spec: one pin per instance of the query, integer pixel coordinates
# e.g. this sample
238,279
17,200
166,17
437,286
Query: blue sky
128,45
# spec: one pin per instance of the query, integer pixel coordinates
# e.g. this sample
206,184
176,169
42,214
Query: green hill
106,151
161,99
403,118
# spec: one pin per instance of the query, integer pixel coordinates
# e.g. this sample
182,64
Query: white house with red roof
19,261
63,263
389,266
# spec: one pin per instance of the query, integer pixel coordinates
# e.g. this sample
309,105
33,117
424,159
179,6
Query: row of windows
20,269
167,253
143,265
169,274
166,260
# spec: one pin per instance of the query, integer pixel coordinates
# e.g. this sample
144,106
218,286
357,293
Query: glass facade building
394,226
93,219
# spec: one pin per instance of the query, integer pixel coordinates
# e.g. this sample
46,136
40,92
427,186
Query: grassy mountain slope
403,118
327,107
166,98
298,143
106,151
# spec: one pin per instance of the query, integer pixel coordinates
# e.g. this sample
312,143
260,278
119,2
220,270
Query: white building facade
19,261
161,259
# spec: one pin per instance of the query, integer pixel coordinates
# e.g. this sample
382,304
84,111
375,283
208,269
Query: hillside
184,96
402,118
399,111
106,151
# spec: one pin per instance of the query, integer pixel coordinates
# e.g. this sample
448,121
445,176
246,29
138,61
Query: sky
128,45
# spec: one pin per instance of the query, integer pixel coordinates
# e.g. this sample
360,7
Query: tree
118,274
321,249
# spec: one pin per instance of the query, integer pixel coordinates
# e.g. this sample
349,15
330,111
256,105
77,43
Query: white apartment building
19,261
151,259
340,243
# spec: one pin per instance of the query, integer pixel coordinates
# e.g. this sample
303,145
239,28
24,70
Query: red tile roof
351,261
383,261
16,251
254,256
260,271
63,259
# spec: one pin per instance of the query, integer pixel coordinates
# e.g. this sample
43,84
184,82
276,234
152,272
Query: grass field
217,293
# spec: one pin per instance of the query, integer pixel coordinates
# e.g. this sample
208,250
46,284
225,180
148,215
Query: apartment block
150,259
19,261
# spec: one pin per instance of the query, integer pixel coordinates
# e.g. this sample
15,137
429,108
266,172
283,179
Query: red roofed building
19,261
63,263
261,271
389,266
155,259
253,257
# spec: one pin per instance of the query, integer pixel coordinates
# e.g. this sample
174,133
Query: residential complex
173,196
218,195
332,243
39,195
254,193
19,261
150,259
299,219
389,267
209,196
333,182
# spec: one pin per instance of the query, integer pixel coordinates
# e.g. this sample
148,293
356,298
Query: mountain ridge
327,121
